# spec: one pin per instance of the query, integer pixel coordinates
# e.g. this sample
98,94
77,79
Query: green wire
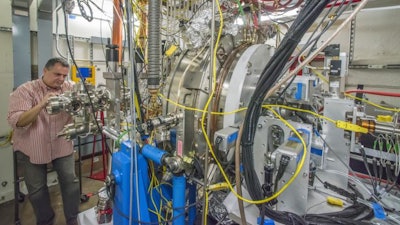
240,8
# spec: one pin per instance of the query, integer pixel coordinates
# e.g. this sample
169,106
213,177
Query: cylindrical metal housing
154,45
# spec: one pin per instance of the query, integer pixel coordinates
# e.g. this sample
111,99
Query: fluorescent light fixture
278,16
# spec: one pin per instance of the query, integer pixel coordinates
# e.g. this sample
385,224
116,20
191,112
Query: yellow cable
210,146
158,215
373,104
218,186
200,110
319,74
245,108
154,184
150,191
151,180
206,206
151,137
139,115
214,80
155,207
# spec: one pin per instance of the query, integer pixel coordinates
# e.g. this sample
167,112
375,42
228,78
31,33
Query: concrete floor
25,209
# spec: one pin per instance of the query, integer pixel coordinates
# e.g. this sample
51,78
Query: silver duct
154,45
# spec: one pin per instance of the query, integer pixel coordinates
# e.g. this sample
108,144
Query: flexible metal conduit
154,45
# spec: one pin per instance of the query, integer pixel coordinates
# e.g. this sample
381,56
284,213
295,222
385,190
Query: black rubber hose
270,74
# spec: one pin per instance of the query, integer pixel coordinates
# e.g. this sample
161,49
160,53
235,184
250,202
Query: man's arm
31,115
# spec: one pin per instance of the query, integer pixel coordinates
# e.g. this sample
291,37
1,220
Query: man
36,143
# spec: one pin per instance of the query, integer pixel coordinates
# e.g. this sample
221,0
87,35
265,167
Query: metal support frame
338,140
352,40
297,192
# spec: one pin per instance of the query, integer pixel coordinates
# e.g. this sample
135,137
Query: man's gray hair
51,62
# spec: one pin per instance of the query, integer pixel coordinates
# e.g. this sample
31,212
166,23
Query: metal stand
83,197
101,175
18,195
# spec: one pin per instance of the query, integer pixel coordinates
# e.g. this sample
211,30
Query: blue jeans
35,176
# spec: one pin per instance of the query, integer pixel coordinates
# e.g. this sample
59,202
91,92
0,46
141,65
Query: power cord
283,163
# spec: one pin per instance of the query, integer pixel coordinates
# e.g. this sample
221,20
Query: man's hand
45,99
31,115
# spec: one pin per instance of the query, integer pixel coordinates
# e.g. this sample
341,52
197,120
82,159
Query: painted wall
377,36
7,82
6,63
377,42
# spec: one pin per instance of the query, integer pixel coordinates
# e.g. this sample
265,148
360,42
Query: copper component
369,124
117,29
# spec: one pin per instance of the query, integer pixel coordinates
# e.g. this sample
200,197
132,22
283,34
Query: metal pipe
154,46
109,132
238,176
133,148
211,68
386,129
178,199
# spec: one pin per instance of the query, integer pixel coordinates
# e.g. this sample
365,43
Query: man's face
55,76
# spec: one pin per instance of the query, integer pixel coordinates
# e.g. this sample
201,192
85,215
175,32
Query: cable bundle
270,74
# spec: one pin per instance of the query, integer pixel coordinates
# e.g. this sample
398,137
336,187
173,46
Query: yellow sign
86,72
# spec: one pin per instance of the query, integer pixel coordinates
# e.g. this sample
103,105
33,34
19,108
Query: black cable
197,165
262,214
134,69
81,5
285,89
98,7
394,183
283,163
284,217
81,77
314,41
375,176
355,190
365,161
268,77
350,215
337,14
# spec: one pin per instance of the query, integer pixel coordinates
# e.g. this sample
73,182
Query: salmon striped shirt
38,140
